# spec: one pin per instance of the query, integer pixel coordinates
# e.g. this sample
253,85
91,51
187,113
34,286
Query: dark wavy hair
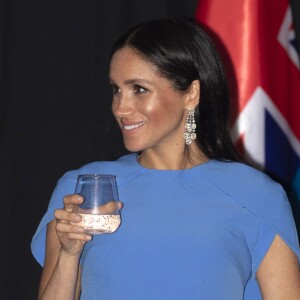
182,52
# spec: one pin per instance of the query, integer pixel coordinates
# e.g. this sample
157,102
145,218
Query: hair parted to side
182,52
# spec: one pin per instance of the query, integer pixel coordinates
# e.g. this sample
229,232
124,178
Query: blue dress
199,233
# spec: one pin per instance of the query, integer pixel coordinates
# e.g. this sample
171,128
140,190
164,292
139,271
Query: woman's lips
132,126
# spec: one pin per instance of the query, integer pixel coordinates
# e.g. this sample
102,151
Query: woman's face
149,111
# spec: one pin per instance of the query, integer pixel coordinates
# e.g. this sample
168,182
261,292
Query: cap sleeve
275,220
65,186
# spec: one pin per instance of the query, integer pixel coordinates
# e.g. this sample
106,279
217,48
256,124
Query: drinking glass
99,210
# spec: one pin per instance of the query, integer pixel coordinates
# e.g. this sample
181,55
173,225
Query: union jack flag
261,42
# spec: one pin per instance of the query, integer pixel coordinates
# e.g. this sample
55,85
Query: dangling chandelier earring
190,126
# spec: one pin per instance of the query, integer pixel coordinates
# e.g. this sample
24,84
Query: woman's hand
71,236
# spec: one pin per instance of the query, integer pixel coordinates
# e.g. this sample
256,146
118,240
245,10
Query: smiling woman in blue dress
196,222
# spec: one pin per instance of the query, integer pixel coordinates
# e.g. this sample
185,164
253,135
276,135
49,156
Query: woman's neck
172,160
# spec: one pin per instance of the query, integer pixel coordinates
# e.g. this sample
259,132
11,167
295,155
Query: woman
196,223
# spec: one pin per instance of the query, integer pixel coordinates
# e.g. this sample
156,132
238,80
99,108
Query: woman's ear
193,94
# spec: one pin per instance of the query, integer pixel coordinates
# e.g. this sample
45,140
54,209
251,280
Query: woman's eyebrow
132,81
136,80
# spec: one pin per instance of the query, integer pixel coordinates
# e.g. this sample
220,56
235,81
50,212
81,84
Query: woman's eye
139,89
115,90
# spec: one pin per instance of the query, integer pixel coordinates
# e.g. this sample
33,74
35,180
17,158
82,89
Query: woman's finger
67,232
70,200
81,237
69,228
66,216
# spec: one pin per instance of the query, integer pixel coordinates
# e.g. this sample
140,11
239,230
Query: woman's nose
122,106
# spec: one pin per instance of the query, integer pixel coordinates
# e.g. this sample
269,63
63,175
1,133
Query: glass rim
96,175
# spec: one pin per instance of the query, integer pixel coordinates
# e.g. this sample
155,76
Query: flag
260,40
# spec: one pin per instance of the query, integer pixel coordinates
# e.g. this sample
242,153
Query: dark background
55,108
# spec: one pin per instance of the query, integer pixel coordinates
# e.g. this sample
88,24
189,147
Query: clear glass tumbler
100,209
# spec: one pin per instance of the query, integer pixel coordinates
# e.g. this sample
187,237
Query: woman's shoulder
238,177
250,187
262,197
121,167
256,192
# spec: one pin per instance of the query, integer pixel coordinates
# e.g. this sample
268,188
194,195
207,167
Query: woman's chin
133,147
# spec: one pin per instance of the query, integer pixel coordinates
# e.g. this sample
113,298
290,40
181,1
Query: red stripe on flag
249,31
